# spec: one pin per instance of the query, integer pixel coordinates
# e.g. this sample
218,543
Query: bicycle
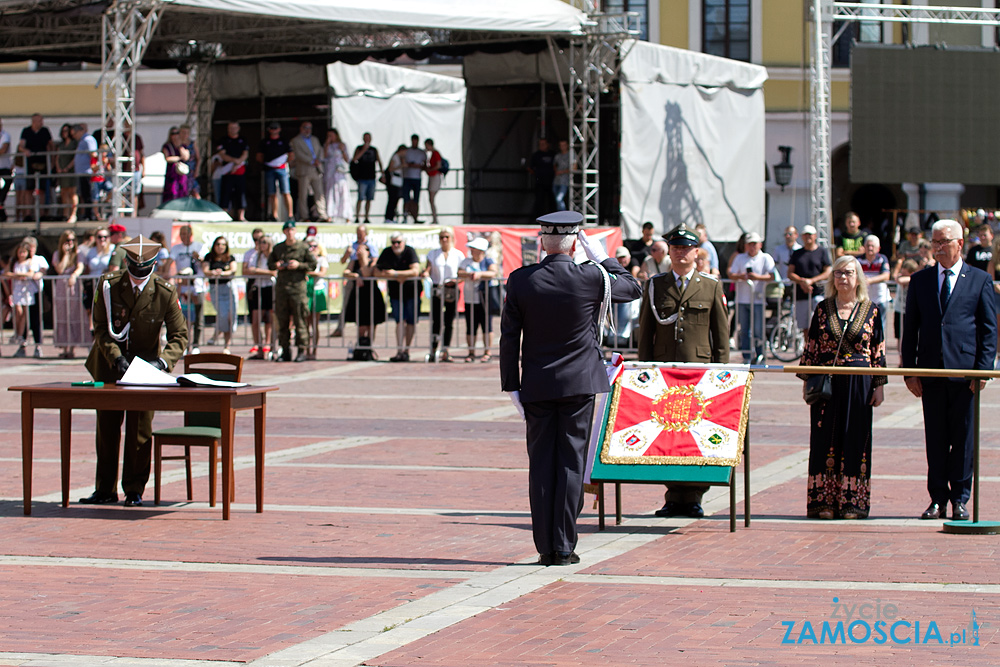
786,340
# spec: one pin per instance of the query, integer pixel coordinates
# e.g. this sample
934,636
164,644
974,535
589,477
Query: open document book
142,373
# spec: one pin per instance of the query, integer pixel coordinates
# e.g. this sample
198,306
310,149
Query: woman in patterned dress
840,440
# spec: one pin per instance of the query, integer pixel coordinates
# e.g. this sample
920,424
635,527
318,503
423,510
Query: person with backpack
363,164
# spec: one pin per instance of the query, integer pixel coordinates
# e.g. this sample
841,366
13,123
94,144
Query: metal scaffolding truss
127,28
122,33
594,64
823,15
912,14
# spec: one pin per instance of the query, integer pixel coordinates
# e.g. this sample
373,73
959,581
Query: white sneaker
195,350
38,352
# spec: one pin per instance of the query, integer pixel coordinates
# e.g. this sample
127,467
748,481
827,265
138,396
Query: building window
726,28
641,7
856,31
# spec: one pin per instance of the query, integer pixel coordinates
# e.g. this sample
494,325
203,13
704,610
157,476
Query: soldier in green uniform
683,317
116,235
130,307
292,260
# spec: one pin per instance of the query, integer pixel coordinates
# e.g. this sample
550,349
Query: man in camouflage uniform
683,317
292,260
130,307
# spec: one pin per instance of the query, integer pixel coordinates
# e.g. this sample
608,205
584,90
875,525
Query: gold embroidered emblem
679,408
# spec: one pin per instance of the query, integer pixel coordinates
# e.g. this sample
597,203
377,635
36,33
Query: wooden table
65,398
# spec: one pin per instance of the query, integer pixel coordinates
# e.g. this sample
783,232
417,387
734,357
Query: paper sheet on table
199,380
141,372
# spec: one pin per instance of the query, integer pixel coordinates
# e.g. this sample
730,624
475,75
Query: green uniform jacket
157,305
700,331
291,279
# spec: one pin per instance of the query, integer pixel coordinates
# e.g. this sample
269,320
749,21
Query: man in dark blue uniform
550,324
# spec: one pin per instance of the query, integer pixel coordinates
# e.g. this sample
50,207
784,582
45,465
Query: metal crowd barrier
45,187
778,337
61,317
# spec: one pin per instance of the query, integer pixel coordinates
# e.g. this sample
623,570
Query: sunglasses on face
103,236
397,243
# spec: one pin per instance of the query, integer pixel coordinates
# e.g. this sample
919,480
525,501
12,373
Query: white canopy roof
518,16
319,31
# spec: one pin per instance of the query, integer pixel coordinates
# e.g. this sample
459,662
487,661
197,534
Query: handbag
819,388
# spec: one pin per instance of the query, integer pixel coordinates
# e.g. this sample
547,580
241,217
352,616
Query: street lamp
783,170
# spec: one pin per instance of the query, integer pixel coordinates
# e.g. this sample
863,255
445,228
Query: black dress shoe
133,500
99,499
545,559
563,558
958,511
933,511
694,510
670,508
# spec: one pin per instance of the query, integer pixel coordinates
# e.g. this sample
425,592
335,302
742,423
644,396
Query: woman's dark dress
365,304
840,441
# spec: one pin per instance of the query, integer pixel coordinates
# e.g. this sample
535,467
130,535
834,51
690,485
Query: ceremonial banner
677,415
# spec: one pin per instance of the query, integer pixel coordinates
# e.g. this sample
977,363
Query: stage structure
193,35
823,15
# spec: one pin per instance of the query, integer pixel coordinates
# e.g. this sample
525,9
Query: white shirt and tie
948,276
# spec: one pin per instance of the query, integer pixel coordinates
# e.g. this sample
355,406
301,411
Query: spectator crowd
69,177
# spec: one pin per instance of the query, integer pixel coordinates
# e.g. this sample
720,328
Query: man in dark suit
950,322
550,323
683,317
130,307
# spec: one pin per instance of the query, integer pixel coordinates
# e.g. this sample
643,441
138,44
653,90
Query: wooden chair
201,429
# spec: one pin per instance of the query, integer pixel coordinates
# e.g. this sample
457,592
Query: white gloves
515,398
593,248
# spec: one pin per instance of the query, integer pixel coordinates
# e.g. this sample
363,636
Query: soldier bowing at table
130,307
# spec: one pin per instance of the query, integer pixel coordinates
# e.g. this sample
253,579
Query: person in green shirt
852,239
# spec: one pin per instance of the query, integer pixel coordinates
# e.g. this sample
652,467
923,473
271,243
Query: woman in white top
96,264
335,170
394,183
442,268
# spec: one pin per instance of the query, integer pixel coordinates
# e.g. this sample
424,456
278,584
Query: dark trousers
948,413
685,493
138,443
86,209
234,188
291,304
393,203
192,307
35,318
558,432
442,310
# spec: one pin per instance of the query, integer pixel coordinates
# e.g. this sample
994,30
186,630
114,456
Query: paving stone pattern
396,532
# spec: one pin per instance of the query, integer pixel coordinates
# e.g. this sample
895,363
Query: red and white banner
677,415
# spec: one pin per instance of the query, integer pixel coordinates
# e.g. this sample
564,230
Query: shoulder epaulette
710,276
